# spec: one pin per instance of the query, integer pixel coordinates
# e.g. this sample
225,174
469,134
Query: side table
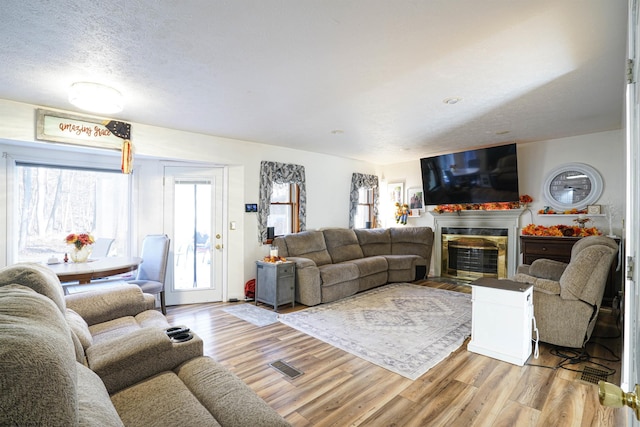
502,317
275,283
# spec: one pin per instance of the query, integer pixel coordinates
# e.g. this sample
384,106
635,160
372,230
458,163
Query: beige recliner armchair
567,297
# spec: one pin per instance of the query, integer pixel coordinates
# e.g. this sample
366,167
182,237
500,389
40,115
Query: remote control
172,333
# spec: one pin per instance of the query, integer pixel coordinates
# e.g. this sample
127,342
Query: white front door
193,206
630,357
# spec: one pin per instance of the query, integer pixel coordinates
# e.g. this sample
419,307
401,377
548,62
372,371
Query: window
283,214
282,188
364,215
53,201
364,201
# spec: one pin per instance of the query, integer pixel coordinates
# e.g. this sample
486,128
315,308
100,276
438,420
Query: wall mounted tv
477,176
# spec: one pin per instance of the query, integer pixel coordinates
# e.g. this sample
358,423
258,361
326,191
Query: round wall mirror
572,186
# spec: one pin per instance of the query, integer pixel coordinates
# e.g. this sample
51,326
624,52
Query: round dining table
98,268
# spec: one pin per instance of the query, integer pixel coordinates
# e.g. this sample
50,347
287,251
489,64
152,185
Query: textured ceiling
363,79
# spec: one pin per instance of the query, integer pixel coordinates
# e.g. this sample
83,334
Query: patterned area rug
252,314
404,328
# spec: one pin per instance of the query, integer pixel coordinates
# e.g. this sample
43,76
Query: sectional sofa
335,263
107,358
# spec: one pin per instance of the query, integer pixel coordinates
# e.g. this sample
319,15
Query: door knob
612,396
218,246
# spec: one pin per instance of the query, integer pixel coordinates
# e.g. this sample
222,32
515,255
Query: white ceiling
363,79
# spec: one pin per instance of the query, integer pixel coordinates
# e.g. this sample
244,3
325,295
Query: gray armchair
567,297
152,272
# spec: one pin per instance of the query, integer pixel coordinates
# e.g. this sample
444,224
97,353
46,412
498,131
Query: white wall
328,181
605,151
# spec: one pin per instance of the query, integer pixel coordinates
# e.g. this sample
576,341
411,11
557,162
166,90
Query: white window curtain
280,173
358,181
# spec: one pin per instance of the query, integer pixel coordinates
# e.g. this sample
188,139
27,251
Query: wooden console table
559,249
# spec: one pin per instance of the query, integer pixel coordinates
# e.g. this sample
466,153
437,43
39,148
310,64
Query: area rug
404,328
253,314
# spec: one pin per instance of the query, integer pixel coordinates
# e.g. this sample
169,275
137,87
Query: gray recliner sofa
335,263
114,367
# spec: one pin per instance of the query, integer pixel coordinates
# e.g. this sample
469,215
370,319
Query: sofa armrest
308,282
545,286
301,262
229,399
108,304
523,269
141,354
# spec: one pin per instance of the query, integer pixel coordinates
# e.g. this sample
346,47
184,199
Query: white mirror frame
594,177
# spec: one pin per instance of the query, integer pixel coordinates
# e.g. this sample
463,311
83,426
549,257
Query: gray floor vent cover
286,369
592,375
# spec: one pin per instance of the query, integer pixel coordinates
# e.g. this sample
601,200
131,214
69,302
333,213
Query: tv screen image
484,175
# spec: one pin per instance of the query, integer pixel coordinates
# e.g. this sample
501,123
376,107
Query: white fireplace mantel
501,219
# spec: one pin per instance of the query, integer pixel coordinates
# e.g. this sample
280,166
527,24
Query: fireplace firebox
472,253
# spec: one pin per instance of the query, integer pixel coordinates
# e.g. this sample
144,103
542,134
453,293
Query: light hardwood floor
466,389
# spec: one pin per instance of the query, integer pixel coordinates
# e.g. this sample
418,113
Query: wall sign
65,128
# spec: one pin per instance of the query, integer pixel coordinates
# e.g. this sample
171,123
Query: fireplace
472,253
492,233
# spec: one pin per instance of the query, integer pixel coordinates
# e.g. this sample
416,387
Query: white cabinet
502,316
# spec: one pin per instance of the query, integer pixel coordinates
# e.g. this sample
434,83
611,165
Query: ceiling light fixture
452,100
96,98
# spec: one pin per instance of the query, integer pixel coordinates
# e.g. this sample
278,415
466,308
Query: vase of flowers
80,246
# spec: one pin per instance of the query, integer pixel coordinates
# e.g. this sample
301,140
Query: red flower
525,199
79,240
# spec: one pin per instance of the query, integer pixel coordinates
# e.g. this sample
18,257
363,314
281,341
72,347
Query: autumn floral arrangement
560,231
550,211
79,240
494,206
274,258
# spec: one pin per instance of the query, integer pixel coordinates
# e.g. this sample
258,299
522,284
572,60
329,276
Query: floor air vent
286,369
592,375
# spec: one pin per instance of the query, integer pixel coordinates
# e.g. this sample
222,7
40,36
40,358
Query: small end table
502,318
275,283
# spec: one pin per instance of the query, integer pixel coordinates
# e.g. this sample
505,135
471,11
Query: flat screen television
484,175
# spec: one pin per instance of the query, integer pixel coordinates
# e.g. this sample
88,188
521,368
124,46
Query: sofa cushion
342,244
162,400
412,241
547,269
37,361
336,273
121,326
374,241
371,265
308,244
